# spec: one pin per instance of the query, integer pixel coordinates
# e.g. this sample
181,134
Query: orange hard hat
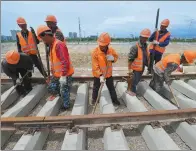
21,21
190,56
12,57
41,29
104,39
51,18
145,33
165,22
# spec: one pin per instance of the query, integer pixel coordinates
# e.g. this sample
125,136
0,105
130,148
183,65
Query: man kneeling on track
102,58
61,66
15,63
163,69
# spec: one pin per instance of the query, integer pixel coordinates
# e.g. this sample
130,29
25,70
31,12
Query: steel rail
5,80
98,120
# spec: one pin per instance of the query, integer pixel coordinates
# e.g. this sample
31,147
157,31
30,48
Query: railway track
168,135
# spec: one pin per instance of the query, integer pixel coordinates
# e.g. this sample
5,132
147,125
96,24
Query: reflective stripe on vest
28,47
56,67
157,47
102,63
162,64
137,64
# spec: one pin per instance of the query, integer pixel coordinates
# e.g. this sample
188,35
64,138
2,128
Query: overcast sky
119,18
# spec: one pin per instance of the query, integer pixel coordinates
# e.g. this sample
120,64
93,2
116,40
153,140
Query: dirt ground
81,53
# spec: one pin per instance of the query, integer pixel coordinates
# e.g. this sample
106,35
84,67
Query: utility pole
80,35
84,33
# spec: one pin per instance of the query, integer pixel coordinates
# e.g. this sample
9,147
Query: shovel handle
174,97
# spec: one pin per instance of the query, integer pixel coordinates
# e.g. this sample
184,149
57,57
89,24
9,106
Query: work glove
155,42
63,80
18,82
180,68
110,58
102,80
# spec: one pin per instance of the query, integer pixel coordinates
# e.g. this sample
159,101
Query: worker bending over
163,69
160,39
16,63
26,43
51,22
137,60
61,66
102,58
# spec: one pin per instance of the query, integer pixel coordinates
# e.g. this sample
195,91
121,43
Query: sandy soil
81,53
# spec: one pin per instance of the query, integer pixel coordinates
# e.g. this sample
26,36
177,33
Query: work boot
116,102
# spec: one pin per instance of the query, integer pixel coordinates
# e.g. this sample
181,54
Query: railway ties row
154,137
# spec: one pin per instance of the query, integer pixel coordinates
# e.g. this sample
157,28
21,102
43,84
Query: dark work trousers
136,79
157,58
156,83
37,63
25,86
110,85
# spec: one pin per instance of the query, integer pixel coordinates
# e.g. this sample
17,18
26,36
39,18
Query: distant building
72,35
13,33
93,36
6,38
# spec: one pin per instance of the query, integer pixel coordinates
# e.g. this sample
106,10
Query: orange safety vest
28,47
56,67
157,47
101,62
171,58
137,64
61,32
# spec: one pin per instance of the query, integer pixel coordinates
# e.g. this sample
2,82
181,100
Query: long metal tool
47,61
39,56
100,88
176,102
156,38
99,120
20,82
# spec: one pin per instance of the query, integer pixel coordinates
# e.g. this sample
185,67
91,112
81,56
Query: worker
102,58
51,22
137,59
61,66
163,69
158,45
26,43
16,63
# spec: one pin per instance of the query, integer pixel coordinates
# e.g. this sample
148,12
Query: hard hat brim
102,44
144,36
21,23
50,21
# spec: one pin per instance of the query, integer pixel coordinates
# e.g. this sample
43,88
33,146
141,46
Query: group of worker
142,55
103,56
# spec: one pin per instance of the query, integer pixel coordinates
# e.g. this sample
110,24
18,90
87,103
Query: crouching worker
163,69
16,63
137,60
102,58
61,66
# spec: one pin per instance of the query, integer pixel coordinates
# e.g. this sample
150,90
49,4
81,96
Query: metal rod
89,77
